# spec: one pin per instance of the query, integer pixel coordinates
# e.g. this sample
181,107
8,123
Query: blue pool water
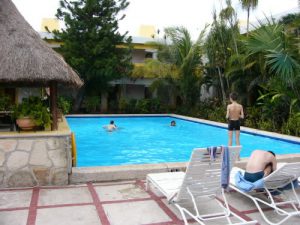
141,140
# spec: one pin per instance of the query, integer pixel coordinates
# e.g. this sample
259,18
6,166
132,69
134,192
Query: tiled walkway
118,203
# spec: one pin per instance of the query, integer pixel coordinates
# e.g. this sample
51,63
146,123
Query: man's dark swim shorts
252,177
234,125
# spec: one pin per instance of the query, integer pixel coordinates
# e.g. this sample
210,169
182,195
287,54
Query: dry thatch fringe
24,57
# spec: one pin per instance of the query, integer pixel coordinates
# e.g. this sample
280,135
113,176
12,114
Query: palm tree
279,50
228,14
186,56
247,5
219,47
166,78
279,97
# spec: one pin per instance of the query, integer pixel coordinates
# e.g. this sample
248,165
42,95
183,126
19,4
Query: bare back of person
235,111
234,114
111,127
259,160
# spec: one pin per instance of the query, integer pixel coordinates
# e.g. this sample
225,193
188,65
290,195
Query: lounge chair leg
182,214
183,211
147,184
295,194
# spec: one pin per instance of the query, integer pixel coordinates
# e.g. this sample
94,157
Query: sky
192,14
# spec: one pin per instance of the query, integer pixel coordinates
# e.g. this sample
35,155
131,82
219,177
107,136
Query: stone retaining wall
33,160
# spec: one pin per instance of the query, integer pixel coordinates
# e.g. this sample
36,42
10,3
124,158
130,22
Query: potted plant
32,113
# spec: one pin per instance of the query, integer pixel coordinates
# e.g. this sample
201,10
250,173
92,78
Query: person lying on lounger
260,164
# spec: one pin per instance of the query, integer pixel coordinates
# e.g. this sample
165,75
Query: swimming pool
142,140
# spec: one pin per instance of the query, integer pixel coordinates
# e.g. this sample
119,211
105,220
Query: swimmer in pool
111,126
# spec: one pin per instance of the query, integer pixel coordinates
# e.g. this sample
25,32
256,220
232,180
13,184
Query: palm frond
283,65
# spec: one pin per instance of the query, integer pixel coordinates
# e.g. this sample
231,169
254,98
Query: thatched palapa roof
25,59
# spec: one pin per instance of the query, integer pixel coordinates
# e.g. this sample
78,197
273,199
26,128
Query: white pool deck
107,203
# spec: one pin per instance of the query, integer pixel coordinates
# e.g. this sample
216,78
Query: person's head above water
112,122
173,123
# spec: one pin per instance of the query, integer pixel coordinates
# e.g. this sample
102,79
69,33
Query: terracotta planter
25,123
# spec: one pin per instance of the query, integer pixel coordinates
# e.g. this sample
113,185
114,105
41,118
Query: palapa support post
53,104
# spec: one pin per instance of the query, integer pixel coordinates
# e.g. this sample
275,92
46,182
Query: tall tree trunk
172,99
235,44
248,15
222,87
104,102
233,36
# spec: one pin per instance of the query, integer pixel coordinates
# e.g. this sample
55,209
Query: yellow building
50,23
147,31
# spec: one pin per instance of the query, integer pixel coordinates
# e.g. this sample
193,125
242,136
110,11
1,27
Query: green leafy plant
5,104
64,105
143,106
252,116
218,114
92,103
131,106
34,108
291,126
266,125
122,105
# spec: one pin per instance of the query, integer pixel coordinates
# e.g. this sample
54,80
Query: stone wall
34,160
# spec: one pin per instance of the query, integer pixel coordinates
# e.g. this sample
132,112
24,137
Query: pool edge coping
244,129
140,171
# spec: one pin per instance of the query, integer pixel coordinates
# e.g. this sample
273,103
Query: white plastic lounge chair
285,174
202,180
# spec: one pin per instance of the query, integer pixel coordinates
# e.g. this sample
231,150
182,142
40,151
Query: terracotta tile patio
115,203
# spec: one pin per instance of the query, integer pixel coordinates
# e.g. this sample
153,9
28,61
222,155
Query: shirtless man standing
234,113
260,164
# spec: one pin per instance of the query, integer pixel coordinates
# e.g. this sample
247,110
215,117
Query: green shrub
265,125
182,110
154,105
218,114
5,104
252,117
113,106
122,105
250,123
292,125
131,106
92,103
143,106
64,104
